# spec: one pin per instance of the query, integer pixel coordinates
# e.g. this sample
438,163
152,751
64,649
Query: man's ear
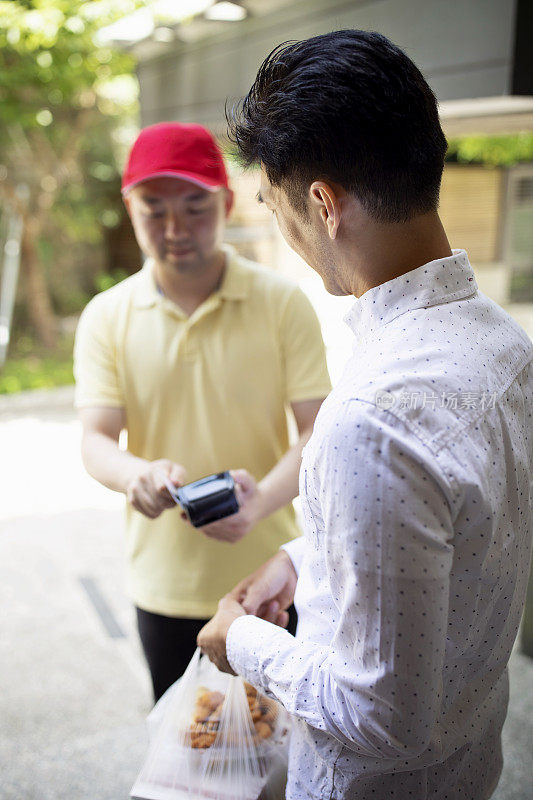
326,199
126,201
228,201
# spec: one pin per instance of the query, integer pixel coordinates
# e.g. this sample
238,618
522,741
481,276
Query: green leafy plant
34,367
68,104
105,280
494,151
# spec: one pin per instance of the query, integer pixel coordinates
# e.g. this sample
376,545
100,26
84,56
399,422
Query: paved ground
73,689
72,698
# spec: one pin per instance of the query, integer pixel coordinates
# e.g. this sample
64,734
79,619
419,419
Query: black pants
169,644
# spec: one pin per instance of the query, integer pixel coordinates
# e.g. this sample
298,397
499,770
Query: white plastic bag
213,736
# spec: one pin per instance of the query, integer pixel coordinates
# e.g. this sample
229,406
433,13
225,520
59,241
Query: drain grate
101,607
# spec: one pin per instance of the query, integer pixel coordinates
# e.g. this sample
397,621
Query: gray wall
464,48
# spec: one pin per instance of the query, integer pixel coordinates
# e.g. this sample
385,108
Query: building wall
471,209
465,50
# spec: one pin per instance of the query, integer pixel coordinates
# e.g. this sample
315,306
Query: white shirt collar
439,281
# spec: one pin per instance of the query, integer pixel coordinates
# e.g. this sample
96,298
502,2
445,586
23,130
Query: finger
228,603
238,593
163,490
225,666
148,512
243,480
272,612
283,619
202,638
214,531
223,531
151,512
262,610
161,504
164,499
147,505
240,496
177,475
256,596
160,481
164,496
217,537
165,487
139,504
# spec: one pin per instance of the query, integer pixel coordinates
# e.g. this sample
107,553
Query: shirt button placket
187,343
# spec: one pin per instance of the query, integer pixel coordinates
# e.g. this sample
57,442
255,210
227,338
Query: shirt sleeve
387,530
295,549
95,365
304,354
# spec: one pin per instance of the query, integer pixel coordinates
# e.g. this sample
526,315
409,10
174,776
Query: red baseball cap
179,150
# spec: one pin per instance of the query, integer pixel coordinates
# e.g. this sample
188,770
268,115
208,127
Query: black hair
351,107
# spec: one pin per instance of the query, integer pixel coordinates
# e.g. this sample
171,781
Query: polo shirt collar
439,281
146,292
235,283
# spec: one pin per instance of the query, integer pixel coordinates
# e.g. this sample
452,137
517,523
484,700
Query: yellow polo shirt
211,392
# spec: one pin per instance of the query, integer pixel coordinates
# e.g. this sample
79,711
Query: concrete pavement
73,699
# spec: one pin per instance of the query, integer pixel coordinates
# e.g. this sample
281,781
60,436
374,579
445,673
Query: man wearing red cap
199,355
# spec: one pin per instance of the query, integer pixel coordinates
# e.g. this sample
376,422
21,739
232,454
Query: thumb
256,596
243,479
177,475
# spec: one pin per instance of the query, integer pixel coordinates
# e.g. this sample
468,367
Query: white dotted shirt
416,494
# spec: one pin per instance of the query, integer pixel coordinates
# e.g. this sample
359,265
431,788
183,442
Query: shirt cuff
249,642
295,549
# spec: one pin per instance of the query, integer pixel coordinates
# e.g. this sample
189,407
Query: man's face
305,234
177,223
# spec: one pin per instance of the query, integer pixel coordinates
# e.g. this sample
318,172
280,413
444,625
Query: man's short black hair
351,107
